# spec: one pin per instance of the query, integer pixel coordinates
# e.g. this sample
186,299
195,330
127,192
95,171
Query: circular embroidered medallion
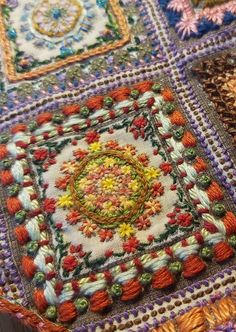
56,18
109,188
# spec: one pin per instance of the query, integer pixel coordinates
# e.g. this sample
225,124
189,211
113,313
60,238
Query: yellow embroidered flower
83,183
109,183
125,230
134,185
108,207
152,173
92,166
109,162
127,203
65,201
89,201
126,169
95,147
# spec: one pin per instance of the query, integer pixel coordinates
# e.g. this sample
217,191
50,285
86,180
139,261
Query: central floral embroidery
109,188
56,18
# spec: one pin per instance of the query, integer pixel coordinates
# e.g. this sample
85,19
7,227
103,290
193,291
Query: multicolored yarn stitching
218,226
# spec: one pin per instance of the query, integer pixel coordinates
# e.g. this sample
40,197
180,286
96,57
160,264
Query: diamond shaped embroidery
108,198
41,36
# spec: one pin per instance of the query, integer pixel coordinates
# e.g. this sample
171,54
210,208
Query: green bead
232,240
116,290
175,267
84,111
39,278
145,278
178,133
81,304
51,312
134,94
4,138
190,153
156,87
32,125
6,163
32,247
218,210
20,216
204,181
206,252
108,101
13,190
168,108
58,118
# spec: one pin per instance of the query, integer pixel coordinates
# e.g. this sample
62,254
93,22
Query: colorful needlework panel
111,201
195,18
39,37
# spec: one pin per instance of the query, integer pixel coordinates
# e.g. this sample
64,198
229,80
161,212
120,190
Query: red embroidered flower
77,250
166,168
143,158
61,183
112,144
49,205
143,223
69,263
131,245
80,154
105,235
150,238
92,136
184,219
40,154
108,253
73,217
157,189
140,122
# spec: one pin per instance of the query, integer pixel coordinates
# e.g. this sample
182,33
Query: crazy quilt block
111,200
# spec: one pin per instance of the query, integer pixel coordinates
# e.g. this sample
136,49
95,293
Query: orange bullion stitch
7,54
30,319
202,319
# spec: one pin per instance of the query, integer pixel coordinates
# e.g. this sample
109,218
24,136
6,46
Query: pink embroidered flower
187,25
131,245
92,136
49,205
178,6
40,154
105,235
69,263
73,217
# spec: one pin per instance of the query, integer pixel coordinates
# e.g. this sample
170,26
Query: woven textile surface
117,165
